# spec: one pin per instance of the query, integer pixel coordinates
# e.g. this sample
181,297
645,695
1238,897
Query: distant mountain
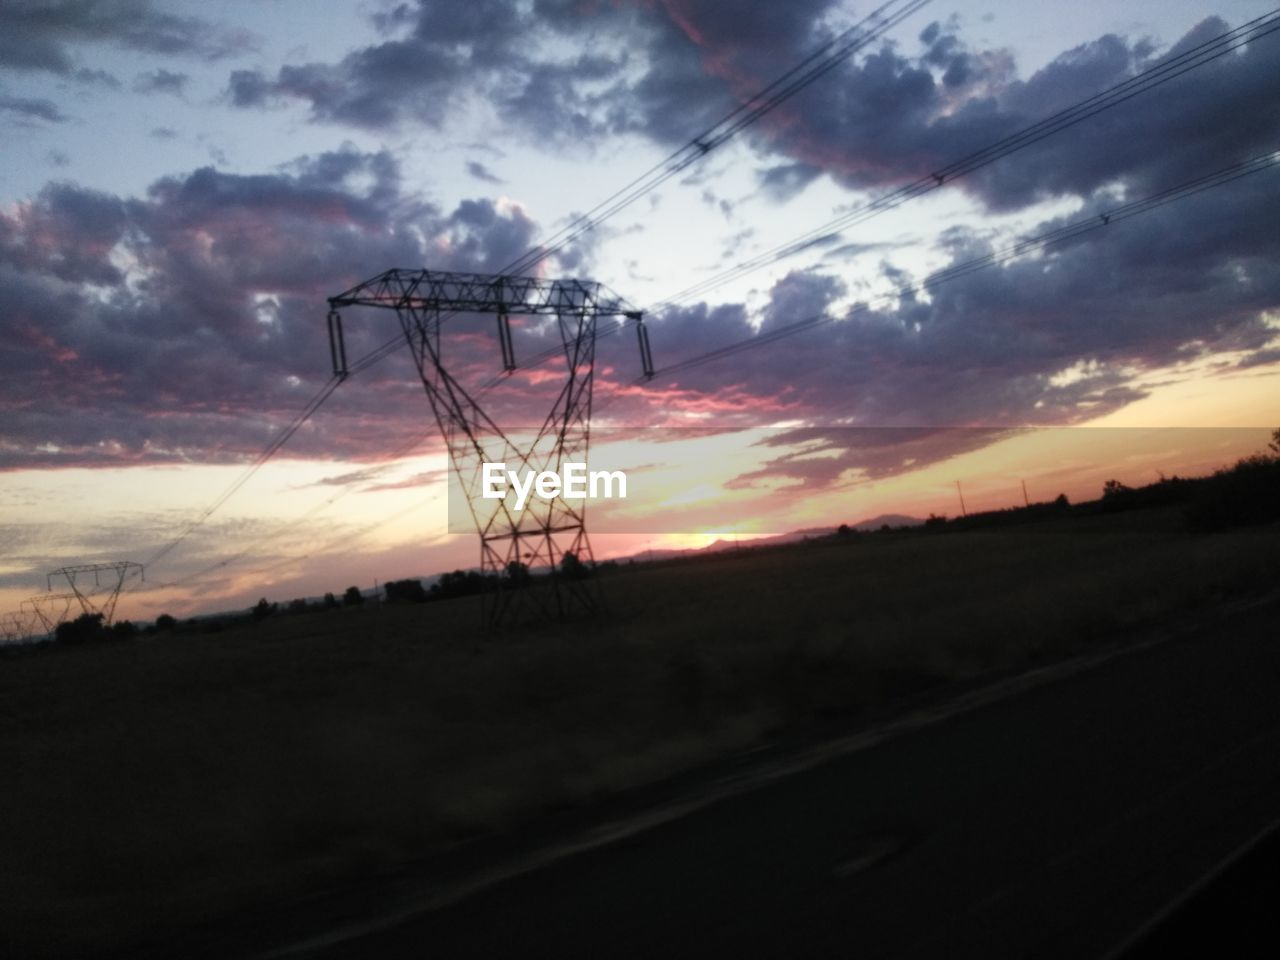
795,536
887,519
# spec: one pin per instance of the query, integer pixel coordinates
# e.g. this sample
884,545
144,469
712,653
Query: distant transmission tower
15,626
512,542
48,610
95,601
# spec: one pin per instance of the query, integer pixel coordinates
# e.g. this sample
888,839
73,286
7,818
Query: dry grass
164,781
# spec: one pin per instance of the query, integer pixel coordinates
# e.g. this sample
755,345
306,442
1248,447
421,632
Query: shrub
1248,493
571,568
83,629
405,591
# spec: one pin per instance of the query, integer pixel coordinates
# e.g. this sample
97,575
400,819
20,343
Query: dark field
166,781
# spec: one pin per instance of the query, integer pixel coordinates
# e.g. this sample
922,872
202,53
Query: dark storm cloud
41,36
188,324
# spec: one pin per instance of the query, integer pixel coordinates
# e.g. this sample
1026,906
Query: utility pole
1025,501
963,512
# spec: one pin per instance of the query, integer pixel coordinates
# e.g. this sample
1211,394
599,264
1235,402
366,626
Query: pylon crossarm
91,602
435,290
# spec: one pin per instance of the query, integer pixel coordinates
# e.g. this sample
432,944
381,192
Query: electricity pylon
91,602
49,610
15,626
512,542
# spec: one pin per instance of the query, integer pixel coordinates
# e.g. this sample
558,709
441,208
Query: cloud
161,81
184,323
799,295
27,110
450,50
823,457
894,116
786,180
898,111
483,173
523,61
1053,339
187,324
38,36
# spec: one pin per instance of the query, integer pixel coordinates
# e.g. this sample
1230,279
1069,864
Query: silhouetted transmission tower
511,542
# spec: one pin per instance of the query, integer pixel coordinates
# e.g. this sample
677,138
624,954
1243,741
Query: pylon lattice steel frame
120,570
545,530
49,610
15,626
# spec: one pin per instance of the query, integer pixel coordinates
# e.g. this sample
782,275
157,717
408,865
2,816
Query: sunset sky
182,185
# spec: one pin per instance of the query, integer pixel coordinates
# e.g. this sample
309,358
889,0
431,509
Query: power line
305,414
268,452
1163,72
1077,228
1018,249
281,529
802,75
817,64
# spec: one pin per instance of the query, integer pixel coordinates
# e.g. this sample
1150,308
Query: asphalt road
1054,823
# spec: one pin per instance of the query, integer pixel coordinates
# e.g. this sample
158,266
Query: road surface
1052,823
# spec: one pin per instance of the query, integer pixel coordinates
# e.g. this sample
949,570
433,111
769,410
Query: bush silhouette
1248,493
461,583
571,568
405,591
83,629
353,597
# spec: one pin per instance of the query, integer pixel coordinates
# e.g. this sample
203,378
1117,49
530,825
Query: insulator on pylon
646,355
337,344
504,339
